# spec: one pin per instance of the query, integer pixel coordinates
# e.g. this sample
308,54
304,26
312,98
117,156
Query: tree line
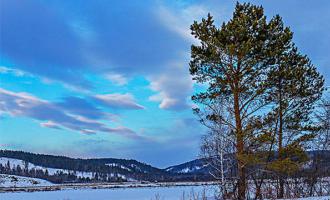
102,169
60,176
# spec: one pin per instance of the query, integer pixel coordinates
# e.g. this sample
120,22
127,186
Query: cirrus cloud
87,38
57,115
116,100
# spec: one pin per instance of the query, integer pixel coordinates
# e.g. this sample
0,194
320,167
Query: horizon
88,158
112,80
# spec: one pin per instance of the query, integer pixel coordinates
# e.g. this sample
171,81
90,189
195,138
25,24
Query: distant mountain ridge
65,169
200,168
79,164
61,169
103,169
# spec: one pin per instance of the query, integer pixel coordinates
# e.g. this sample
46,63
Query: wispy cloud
53,115
179,21
82,107
116,100
111,49
42,50
118,79
50,124
173,87
15,72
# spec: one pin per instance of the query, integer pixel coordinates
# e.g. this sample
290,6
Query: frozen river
165,193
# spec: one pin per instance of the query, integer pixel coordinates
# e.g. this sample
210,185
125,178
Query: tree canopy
267,87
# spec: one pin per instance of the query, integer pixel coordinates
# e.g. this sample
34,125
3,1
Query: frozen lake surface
165,193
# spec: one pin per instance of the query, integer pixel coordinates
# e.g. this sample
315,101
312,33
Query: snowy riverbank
11,183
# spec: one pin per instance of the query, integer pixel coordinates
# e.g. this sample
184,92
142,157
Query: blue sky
110,78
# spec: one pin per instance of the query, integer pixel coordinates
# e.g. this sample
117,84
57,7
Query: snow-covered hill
197,166
60,169
14,163
21,181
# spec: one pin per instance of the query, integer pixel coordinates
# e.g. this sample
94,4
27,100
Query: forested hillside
64,169
60,169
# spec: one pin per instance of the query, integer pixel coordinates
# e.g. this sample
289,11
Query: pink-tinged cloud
121,101
118,79
50,124
55,115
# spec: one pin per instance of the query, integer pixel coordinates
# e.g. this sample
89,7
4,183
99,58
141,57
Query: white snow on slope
51,171
190,169
169,169
12,162
21,181
117,165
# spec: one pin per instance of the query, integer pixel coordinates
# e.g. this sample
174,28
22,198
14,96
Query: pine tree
238,61
7,166
295,88
19,170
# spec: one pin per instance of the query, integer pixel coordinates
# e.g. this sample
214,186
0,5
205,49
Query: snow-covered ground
20,181
165,193
313,198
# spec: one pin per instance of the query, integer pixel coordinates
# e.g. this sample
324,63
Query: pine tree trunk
240,149
280,139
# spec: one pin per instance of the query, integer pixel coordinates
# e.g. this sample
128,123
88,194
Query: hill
61,169
64,169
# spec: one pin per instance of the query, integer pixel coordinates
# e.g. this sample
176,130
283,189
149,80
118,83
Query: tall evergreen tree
233,60
241,62
295,87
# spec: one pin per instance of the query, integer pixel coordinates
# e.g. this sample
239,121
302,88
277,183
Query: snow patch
21,181
117,165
